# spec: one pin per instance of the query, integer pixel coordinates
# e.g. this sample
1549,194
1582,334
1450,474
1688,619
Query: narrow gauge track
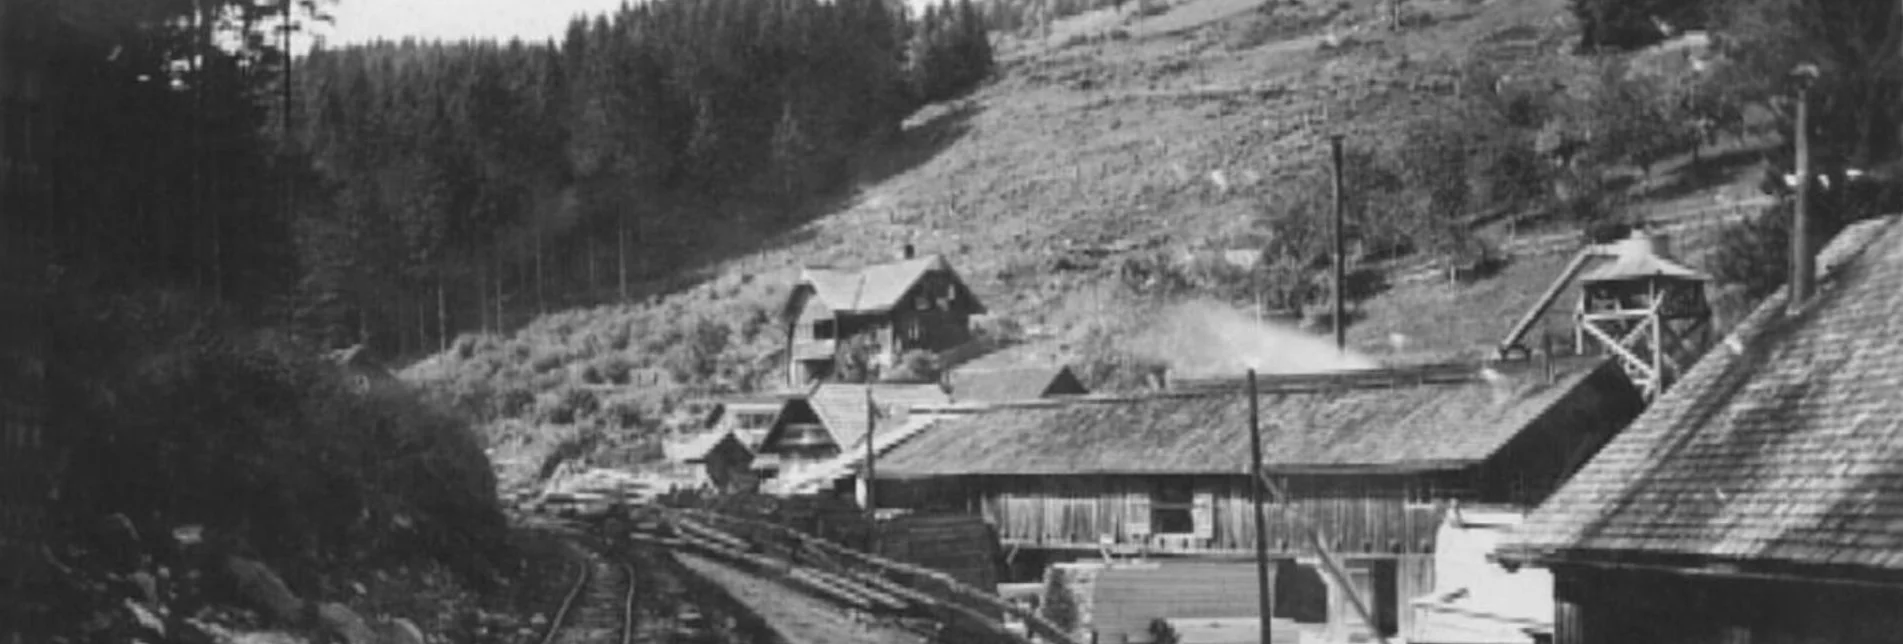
600,607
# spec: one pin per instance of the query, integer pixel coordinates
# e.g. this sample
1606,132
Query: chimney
1803,264
907,251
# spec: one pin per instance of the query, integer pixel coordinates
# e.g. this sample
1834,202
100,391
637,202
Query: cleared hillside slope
1117,138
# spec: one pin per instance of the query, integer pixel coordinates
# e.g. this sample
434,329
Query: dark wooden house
1009,384
720,458
1761,499
812,430
916,303
1373,460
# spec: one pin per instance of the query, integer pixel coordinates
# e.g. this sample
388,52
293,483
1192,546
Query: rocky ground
187,588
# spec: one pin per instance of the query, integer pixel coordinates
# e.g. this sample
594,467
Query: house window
823,330
1172,508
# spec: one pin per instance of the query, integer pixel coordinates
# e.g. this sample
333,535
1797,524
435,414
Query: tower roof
1642,256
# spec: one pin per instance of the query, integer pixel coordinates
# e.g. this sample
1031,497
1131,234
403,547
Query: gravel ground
795,617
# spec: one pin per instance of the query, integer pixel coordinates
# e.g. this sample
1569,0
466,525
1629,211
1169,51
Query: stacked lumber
1224,630
961,546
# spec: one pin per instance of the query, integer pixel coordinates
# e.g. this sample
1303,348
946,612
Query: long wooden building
1373,460
1760,501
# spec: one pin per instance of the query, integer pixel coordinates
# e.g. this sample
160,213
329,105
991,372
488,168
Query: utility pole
1394,15
872,525
1802,271
1265,603
1341,329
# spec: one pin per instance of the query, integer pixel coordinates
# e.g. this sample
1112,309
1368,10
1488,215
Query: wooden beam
1332,566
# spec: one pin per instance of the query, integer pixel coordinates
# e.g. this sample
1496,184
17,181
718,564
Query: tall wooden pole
1341,328
872,526
1265,603
1801,271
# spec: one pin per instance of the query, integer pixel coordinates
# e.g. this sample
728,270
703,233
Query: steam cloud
1204,338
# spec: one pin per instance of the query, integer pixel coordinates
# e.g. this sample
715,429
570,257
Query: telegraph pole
872,526
1341,329
1265,603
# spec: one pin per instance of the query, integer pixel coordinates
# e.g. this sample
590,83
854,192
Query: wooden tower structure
1646,309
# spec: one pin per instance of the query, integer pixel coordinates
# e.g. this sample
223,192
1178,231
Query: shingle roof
1411,427
1007,384
1636,257
842,407
872,289
694,448
1783,446
852,457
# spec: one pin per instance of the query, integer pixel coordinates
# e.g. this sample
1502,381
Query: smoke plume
1204,338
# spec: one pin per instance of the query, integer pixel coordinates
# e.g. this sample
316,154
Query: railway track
600,606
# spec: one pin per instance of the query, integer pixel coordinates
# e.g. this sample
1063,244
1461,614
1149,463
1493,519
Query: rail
587,579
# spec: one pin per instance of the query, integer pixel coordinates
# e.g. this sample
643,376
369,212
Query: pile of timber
1235,630
859,592
943,591
962,546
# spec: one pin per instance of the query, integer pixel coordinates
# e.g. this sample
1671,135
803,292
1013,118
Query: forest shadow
921,142
780,227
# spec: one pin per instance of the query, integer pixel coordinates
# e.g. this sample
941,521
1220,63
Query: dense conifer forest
464,183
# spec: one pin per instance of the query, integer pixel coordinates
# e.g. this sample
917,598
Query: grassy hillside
1120,140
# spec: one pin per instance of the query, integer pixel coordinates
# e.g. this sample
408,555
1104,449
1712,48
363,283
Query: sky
531,20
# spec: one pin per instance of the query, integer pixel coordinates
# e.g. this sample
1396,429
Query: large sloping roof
842,407
694,449
871,289
1409,427
1008,383
1782,448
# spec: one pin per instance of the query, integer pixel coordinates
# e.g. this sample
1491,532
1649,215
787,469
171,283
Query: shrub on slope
179,416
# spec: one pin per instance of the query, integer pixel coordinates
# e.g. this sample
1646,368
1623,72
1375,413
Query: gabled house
1761,499
1008,384
718,458
747,417
916,303
1373,460
812,429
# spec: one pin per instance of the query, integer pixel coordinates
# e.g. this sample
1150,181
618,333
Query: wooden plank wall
1362,515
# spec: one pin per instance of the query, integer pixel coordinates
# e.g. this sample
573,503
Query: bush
547,362
513,402
566,406
192,419
916,366
1754,255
